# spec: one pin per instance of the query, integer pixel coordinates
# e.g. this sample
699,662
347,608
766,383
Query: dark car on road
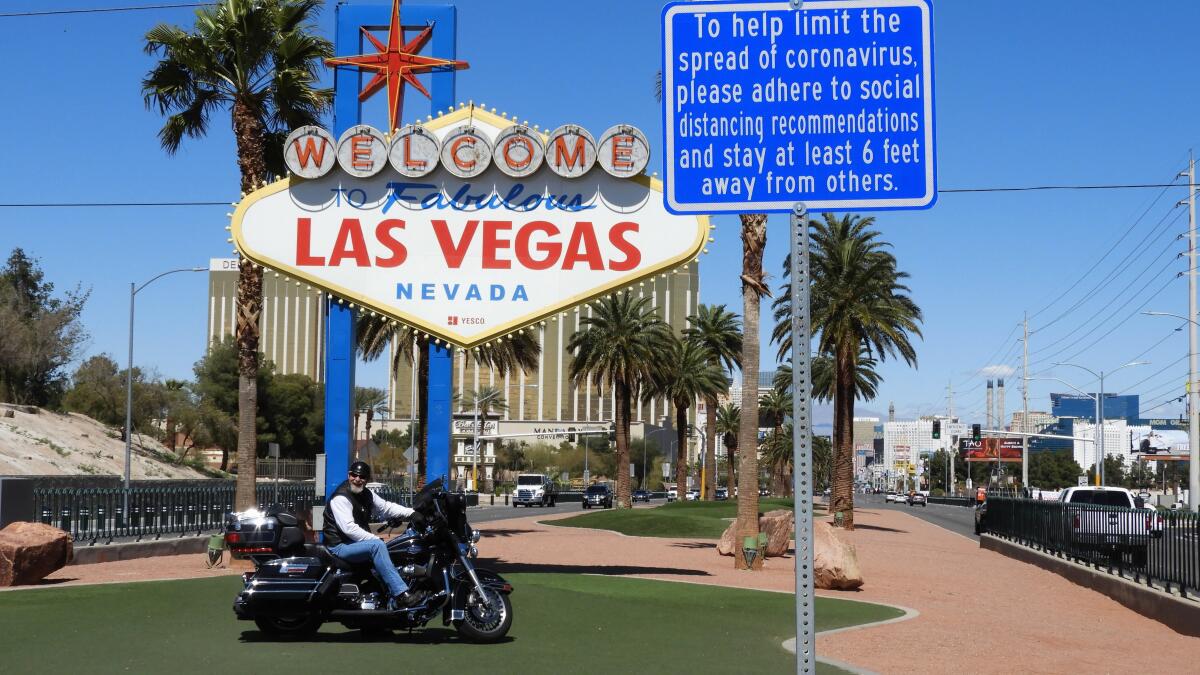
598,495
641,496
915,498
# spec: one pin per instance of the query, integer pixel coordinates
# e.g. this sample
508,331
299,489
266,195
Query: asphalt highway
959,519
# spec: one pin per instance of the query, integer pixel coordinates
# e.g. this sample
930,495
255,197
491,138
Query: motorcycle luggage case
284,586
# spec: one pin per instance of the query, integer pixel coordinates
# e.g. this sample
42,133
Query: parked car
598,495
641,496
672,495
915,498
764,492
693,495
722,493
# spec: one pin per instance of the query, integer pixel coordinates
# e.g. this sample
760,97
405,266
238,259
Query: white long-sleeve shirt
381,509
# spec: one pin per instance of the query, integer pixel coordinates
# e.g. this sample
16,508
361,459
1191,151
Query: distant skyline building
904,443
1116,406
1037,421
291,324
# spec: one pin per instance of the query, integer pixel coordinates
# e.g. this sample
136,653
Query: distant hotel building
904,443
291,324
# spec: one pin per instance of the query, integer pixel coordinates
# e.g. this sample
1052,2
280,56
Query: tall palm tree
778,455
719,331
258,59
754,287
777,403
368,400
866,380
860,307
376,333
729,416
686,372
618,347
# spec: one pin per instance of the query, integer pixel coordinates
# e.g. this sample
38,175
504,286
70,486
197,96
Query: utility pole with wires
1025,406
953,438
1192,390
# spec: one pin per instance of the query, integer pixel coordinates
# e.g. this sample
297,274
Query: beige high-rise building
292,323
546,394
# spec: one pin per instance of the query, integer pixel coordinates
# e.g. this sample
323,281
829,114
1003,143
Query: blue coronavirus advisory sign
830,104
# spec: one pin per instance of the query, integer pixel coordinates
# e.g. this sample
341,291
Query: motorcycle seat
327,558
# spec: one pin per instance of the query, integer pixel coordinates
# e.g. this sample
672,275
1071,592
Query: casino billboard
468,227
986,449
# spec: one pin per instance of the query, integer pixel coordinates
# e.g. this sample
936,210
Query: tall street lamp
475,439
1193,395
646,442
1100,412
134,289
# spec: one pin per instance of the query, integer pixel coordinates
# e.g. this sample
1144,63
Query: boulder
835,562
778,526
30,551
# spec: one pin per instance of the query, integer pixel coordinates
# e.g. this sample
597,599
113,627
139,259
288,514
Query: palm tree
860,308
258,59
754,287
369,400
777,403
866,380
778,456
718,330
618,346
728,418
376,333
685,373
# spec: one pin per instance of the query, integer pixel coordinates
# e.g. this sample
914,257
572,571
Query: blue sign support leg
339,393
441,369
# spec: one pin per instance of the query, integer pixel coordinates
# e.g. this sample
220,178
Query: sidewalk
979,612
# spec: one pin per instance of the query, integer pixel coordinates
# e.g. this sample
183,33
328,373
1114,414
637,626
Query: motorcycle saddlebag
283,587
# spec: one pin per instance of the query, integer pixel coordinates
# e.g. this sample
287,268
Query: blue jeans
375,551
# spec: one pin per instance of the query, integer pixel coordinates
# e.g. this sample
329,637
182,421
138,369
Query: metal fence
96,514
289,469
1157,548
952,501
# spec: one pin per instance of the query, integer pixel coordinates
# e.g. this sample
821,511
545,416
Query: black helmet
362,469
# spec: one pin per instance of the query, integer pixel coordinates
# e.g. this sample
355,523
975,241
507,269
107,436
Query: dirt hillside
38,442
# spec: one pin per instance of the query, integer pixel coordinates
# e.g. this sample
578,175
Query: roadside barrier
1160,549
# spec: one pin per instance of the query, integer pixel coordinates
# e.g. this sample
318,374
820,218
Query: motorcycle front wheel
486,622
289,627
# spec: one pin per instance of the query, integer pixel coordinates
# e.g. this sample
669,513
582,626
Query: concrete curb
99,553
1182,616
790,643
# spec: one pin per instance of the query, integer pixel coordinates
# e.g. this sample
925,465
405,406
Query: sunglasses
357,475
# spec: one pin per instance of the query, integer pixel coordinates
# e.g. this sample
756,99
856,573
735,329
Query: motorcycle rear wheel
484,624
289,627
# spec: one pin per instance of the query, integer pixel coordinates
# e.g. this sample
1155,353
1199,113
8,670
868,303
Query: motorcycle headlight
475,534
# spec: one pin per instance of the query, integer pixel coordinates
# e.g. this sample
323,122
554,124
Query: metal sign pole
806,646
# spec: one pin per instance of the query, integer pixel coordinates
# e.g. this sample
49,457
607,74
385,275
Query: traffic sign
765,106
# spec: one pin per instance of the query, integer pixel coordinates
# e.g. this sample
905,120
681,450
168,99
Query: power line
1032,188
103,10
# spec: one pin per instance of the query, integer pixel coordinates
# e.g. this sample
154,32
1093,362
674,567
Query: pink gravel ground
979,611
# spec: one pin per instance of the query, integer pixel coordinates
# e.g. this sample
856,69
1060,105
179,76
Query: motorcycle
296,587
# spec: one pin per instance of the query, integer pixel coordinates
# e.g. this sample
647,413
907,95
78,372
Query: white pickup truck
1111,519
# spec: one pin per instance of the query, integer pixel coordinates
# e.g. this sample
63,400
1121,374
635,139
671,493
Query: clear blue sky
1067,93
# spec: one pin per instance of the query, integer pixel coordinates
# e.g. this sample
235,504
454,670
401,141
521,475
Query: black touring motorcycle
296,587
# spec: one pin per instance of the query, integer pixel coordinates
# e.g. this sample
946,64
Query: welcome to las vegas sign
469,227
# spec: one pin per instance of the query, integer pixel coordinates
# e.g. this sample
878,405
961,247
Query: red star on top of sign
395,64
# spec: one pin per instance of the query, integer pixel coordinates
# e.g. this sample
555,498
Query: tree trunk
842,492
421,353
731,485
754,240
370,414
681,467
248,132
621,421
710,448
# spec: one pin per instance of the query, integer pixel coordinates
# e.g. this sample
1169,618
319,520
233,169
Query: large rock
778,526
835,562
30,551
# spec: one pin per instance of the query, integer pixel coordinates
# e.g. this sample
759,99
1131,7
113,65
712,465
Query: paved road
486,513
959,519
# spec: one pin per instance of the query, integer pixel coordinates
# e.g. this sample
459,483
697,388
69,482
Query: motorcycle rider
348,536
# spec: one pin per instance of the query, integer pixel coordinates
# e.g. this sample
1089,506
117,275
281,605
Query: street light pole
475,441
1100,411
133,291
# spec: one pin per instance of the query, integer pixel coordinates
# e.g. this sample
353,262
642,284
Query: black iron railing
1158,548
97,514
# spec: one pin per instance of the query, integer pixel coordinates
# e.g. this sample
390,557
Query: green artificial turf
699,520
563,623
